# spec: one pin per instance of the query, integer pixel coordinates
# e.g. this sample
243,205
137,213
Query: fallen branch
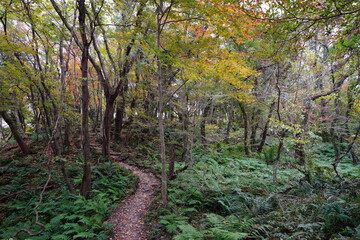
37,222
36,211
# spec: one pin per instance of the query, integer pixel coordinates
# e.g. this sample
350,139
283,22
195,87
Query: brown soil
128,218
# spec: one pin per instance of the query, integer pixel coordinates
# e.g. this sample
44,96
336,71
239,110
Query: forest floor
128,219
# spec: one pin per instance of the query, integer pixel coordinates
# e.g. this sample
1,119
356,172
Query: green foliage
64,215
269,154
340,216
227,196
171,222
217,227
324,156
246,204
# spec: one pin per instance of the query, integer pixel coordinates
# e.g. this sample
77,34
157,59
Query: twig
182,20
173,93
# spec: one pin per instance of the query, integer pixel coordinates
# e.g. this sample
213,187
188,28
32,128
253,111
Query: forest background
247,110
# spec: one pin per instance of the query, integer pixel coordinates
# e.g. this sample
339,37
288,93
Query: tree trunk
172,161
266,128
164,195
229,125
57,152
186,143
246,128
120,113
351,100
334,124
108,116
185,154
203,122
14,130
354,156
277,159
162,148
254,127
300,147
85,143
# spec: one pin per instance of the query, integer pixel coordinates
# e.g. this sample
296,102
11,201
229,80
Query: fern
65,216
188,232
337,215
171,222
246,204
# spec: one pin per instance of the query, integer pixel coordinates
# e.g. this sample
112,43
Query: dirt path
128,218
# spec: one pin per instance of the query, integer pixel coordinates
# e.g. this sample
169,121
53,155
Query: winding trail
128,218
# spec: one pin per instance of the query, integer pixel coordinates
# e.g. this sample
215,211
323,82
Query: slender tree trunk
172,161
229,125
14,130
277,159
254,127
57,152
282,132
204,117
246,128
185,154
164,195
64,67
186,138
350,103
300,147
334,124
162,145
266,128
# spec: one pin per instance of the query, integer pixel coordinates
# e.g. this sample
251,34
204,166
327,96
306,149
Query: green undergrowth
65,216
225,195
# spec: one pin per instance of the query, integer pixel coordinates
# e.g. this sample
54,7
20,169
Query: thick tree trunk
14,130
108,116
86,179
84,45
66,146
120,114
